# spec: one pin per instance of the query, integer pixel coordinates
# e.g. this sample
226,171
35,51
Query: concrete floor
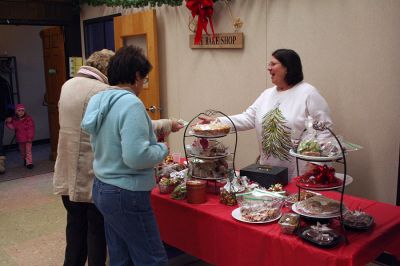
32,222
32,225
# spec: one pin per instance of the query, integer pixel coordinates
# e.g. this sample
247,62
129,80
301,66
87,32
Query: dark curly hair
124,65
291,60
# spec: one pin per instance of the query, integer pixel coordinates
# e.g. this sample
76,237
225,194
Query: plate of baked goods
261,217
312,183
318,207
205,157
213,130
316,158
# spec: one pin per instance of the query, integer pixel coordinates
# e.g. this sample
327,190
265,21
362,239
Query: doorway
23,43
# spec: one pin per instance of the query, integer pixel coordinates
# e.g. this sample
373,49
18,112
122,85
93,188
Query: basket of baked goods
258,206
170,169
169,175
167,185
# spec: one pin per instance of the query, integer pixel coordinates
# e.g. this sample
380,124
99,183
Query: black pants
85,234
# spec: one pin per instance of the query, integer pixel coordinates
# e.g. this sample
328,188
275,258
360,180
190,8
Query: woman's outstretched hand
206,119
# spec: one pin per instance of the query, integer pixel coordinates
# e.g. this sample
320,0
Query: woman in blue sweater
125,152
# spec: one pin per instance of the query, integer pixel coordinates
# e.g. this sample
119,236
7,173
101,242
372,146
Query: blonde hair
100,60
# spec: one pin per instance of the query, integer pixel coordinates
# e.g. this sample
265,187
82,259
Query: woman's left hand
206,119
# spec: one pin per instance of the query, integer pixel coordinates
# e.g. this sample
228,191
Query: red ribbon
322,174
204,143
203,9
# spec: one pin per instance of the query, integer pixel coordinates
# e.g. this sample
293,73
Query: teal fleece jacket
123,142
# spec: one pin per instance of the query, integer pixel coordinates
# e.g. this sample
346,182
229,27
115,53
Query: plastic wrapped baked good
277,188
208,169
179,192
289,222
259,206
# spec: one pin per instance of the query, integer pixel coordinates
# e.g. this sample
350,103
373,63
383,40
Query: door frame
139,24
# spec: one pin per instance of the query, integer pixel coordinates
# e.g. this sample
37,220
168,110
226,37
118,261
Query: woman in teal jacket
125,152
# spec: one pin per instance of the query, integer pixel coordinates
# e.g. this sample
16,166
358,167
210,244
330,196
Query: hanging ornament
237,22
204,10
276,135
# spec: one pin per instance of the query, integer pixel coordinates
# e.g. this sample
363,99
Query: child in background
24,128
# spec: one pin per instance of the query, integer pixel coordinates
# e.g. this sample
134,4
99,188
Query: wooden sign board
219,41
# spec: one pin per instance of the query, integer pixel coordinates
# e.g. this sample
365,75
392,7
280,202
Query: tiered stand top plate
315,158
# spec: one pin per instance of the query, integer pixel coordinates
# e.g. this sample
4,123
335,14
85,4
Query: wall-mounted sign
219,41
74,64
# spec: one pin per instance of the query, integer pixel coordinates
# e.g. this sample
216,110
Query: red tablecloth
209,232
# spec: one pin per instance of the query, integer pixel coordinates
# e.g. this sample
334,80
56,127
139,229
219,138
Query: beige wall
348,52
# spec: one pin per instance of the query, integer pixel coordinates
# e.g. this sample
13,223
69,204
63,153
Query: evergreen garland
276,135
133,3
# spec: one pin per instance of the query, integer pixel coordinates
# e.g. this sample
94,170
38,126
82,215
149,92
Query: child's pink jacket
24,128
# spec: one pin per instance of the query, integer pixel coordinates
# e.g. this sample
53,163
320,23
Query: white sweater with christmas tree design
296,104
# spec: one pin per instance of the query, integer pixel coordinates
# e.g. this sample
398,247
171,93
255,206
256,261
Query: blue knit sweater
122,138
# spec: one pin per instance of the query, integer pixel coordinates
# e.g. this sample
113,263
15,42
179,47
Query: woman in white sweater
295,99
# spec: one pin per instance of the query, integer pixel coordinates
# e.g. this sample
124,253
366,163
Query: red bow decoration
322,174
204,143
203,9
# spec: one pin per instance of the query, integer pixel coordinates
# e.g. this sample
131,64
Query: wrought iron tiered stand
339,159
189,134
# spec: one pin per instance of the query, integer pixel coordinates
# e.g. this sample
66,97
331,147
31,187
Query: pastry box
266,175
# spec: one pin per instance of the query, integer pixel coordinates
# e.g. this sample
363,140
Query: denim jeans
130,225
1,138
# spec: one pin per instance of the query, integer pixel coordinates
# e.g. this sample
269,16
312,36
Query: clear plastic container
259,206
289,222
